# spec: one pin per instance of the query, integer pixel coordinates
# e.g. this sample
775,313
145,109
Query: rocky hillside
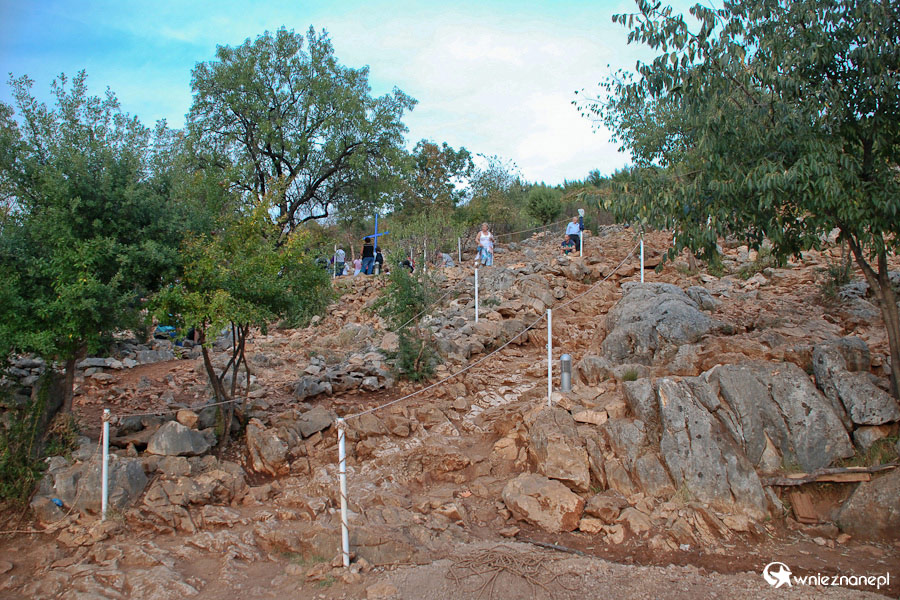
708,413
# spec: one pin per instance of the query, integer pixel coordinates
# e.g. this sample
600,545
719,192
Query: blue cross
375,237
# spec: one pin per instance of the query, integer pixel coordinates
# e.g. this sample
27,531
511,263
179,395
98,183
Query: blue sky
495,77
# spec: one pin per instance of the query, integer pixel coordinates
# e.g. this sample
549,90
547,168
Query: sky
497,77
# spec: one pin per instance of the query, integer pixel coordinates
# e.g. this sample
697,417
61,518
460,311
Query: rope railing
487,356
533,228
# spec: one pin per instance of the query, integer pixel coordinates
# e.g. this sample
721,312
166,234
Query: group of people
371,261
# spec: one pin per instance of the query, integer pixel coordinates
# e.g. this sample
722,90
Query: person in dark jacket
368,256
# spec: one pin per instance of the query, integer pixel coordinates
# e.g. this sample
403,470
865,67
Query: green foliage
294,124
400,303
773,119
544,205
436,177
93,228
415,358
237,275
835,276
24,442
630,375
882,452
497,196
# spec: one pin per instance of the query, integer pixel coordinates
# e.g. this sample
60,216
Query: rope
487,356
159,413
435,302
533,228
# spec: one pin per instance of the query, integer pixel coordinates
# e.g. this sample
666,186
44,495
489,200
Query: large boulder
777,403
556,449
267,452
841,368
174,439
650,321
701,455
543,502
873,510
317,419
80,485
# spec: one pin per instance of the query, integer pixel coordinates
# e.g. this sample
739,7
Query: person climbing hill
485,241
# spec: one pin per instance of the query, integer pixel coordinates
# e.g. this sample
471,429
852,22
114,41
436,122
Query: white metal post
342,474
459,251
642,259
476,294
549,355
581,244
104,467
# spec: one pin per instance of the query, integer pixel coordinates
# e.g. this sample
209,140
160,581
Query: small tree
402,304
774,119
235,279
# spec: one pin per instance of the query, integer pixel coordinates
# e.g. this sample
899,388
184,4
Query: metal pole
581,244
459,250
549,356
342,474
642,259
104,467
476,294
565,373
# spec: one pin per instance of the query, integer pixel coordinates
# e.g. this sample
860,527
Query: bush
544,205
400,304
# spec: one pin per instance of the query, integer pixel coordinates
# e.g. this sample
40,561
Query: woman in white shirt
485,240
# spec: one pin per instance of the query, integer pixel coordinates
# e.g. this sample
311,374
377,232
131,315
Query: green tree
234,278
497,196
772,119
543,204
436,177
89,230
284,117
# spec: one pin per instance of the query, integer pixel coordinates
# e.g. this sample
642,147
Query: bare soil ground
774,323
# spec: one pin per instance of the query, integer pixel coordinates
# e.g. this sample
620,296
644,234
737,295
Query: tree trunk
69,393
880,284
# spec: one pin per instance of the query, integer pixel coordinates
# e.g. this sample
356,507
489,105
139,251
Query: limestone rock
309,386
779,403
649,319
841,369
873,510
186,417
312,421
174,439
606,506
543,502
651,476
701,455
641,399
638,522
268,453
865,437
556,449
